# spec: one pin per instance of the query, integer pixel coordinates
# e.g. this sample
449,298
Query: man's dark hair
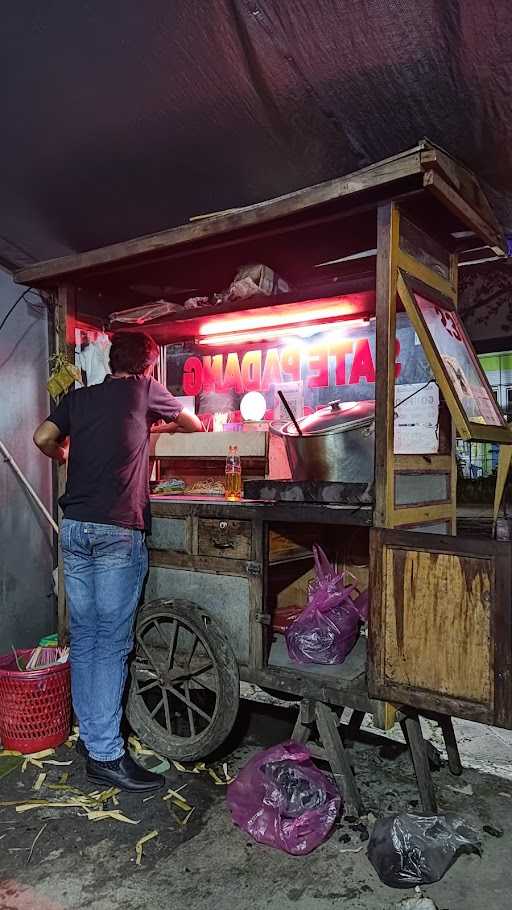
132,352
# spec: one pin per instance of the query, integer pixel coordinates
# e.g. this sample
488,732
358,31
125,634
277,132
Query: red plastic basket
35,705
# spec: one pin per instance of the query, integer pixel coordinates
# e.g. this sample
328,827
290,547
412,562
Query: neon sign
333,361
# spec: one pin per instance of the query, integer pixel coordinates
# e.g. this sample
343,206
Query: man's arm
49,439
184,423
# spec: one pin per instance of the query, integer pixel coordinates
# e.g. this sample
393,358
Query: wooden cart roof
423,168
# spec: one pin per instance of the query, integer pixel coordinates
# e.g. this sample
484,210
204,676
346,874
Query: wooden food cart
372,262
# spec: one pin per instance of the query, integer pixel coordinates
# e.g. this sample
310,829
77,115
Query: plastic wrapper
281,799
148,312
251,280
327,630
411,850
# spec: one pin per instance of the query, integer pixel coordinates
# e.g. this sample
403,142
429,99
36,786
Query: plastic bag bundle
298,791
410,850
281,799
327,630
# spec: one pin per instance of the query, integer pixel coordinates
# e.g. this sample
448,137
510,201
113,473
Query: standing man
105,431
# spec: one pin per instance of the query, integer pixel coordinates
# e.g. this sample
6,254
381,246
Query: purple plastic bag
281,799
327,630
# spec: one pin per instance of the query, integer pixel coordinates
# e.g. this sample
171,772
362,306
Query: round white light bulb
253,406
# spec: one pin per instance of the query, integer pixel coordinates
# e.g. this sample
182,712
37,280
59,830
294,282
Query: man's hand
49,440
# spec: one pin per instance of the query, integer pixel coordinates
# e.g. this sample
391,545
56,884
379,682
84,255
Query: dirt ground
208,863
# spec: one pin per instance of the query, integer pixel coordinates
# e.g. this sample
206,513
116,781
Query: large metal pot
337,443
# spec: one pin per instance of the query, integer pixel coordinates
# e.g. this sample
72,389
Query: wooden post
454,281
305,718
385,312
413,735
387,253
338,759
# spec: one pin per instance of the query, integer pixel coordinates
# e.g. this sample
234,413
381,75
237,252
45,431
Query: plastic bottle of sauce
233,481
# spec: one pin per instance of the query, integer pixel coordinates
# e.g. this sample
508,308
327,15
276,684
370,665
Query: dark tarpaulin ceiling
122,118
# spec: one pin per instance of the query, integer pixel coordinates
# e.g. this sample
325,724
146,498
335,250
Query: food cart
366,338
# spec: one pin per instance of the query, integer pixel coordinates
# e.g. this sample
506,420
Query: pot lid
336,417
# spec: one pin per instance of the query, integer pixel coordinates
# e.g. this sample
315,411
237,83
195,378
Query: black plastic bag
410,850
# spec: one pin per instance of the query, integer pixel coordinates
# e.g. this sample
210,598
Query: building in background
27,602
485,305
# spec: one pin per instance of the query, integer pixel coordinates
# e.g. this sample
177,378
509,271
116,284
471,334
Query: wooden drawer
170,534
222,537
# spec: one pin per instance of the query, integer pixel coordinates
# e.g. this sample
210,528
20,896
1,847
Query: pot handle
277,430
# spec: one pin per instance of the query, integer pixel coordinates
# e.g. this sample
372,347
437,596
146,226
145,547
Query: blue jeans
104,570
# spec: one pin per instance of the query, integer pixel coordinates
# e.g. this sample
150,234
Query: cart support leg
305,718
411,728
338,759
354,725
452,748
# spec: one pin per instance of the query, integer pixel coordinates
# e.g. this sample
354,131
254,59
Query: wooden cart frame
399,224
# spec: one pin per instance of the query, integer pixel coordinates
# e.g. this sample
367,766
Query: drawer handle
223,545
223,525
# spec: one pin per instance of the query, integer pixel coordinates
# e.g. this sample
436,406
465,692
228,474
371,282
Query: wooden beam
423,273
401,166
463,181
417,515
423,464
467,214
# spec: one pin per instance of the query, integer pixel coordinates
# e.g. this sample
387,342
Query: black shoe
123,773
81,748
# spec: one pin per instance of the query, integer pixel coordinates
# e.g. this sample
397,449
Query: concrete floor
210,864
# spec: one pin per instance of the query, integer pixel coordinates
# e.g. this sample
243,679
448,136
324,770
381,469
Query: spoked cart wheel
185,685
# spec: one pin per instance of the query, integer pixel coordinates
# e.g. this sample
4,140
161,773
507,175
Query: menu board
459,359
416,419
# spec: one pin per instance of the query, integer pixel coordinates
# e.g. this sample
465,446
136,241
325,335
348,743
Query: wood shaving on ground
139,846
40,779
179,803
102,814
141,749
184,821
181,821
34,842
171,793
72,738
86,801
201,768
42,754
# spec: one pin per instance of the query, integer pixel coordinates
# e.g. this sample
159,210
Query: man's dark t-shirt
108,467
